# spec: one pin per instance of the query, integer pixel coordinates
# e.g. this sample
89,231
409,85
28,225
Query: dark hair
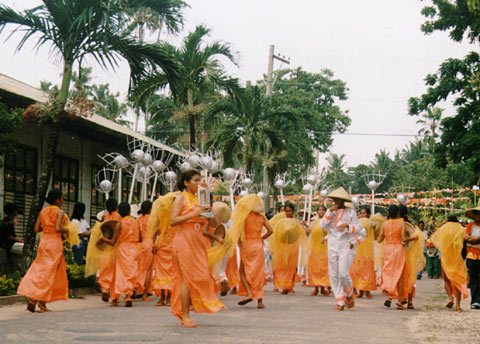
289,205
145,208
402,208
452,218
124,209
53,196
186,177
322,207
78,211
10,208
280,207
421,222
392,212
368,210
112,205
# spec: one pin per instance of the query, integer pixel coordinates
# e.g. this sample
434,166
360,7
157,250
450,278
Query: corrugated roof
22,89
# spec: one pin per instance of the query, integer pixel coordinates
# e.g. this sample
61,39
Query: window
21,171
65,177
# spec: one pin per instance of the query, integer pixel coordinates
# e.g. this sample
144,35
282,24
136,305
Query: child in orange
46,279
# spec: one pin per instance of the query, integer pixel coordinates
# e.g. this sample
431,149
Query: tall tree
201,76
76,30
336,175
430,125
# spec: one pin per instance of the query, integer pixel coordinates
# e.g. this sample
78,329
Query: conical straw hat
349,205
469,212
221,211
340,193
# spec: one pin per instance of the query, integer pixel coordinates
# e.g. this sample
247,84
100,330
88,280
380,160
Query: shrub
76,277
9,284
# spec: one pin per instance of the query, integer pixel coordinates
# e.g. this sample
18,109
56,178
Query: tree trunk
191,119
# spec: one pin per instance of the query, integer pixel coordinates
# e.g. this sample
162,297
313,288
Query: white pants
340,259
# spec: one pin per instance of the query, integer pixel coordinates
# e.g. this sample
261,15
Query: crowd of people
187,254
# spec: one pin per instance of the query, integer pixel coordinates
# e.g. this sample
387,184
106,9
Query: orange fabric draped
107,264
317,265
448,239
190,264
252,256
46,279
394,256
363,267
145,257
126,263
163,262
231,270
414,262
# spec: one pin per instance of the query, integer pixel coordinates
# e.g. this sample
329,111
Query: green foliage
10,121
9,284
76,277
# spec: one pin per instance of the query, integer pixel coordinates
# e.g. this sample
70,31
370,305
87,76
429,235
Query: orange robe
145,256
190,264
46,279
126,264
317,265
163,262
253,257
363,268
107,265
231,270
285,277
394,256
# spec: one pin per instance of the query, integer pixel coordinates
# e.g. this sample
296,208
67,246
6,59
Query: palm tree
76,30
201,76
430,125
336,169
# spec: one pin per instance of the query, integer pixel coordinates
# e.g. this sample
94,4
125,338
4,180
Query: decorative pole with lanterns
373,181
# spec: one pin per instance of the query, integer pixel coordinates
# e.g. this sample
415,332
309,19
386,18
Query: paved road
298,318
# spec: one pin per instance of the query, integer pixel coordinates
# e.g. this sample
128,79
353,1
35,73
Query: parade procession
152,193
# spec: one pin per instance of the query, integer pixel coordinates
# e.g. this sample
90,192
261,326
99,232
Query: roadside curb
72,293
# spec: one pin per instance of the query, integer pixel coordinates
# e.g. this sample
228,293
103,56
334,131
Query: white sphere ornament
307,188
312,179
280,184
372,185
261,194
120,161
158,166
229,174
355,201
144,173
137,156
171,176
247,182
106,186
401,199
193,160
147,159
214,167
185,166
243,193
324,193
206,162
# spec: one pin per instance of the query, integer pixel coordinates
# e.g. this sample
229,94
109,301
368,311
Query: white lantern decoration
205,162
193,160
355,201
243,193
247,182
120,161
229,174
307,188
324,193
144,173
401,198
106,186
280,184
158,166
147,159
137,156
261,194
214,167
185,166
312,179
171,176
372,185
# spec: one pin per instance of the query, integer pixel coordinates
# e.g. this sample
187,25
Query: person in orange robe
193,283
232,272
145,258
363,267
394,233
448,239
107,265
46,279
128,234
163,266
317,265
252,255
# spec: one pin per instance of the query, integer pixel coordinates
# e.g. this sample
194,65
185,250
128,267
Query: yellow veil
315,242
160,216
366,249
448,239
96,255
288,237
72,236
414,258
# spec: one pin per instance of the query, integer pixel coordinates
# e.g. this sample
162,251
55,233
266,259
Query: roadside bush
76,277
9,284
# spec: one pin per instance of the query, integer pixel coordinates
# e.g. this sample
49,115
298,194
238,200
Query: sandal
387,303
31,306
114,303
43,307
105,296
128,303
449,304
187,324
245,301
399,306
339,308
410,306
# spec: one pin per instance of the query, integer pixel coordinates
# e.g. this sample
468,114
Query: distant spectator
80,249
433,226
434,269
7,232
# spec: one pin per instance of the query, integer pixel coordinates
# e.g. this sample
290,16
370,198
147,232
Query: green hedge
75,274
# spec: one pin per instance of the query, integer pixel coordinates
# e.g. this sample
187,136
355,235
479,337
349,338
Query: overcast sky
375,46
